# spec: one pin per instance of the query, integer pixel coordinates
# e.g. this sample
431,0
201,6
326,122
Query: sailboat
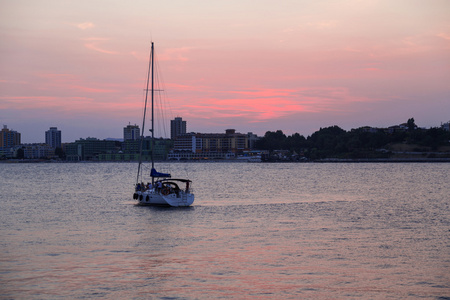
163,189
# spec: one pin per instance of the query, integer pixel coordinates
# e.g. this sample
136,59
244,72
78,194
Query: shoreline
325,160
384,160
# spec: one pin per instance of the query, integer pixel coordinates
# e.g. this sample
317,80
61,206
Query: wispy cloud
85,25
65,82
67,105
261,105
176,54
39,102
94,43
322,24
444,35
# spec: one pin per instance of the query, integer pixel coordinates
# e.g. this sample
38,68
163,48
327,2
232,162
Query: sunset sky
243,64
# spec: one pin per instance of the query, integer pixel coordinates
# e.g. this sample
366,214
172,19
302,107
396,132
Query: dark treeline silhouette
365,142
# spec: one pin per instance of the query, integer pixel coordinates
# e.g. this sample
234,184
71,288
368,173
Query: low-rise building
130,150
8,153
90,149
209,145
36,151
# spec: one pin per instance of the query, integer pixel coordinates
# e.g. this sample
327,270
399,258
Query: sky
254,66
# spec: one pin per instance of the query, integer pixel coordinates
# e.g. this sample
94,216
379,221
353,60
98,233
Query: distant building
252,138
131,132
446,126
210,145
89,149
11,152
177,127
368,129
130,150
53,137
33,151
9,138
397,128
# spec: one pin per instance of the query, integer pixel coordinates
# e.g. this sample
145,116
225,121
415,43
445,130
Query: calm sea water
255,231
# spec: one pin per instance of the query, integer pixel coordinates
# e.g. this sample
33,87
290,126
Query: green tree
296,142
60,153
435,137
272,141
327,142
411,125
20,153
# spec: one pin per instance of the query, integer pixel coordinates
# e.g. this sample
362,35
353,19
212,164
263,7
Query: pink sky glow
253,66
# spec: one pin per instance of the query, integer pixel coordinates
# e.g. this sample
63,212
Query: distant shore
325,160
383,160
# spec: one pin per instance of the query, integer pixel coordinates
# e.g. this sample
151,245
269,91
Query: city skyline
133,132
290,66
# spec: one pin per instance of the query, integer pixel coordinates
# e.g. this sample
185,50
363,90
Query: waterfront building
34,151
252,138
131,132
9,138
7,153
130,150
177,127
90,149
131,146
53,137
188,142
209,145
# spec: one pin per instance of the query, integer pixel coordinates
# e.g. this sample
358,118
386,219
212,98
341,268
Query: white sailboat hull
151,197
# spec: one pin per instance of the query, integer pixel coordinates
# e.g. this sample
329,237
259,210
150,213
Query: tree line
335,142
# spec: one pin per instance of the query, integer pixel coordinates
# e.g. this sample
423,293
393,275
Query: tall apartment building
131,132
9,138
53,137
177,127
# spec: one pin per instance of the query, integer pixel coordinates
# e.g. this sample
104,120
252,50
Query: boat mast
153,124
150,68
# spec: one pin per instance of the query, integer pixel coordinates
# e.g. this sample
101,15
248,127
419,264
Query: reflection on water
255,231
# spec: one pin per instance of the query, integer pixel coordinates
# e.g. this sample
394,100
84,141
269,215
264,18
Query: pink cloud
69,82
444,35
66,105
175,54
85,25
264,92
94,43
260,105
39,102
184,87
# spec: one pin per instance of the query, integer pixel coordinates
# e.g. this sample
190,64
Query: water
256,231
